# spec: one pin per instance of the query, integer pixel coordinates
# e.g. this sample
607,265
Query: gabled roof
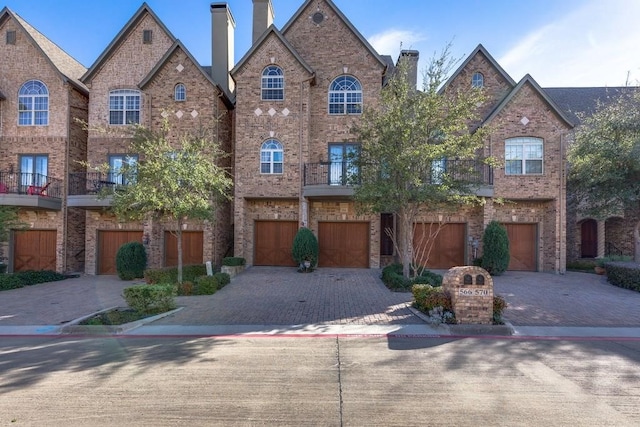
575,100
344,19
528,79
122,35
67,67
272,30
178,45
492,61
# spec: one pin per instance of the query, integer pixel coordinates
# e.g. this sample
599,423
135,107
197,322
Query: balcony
88,189
336,179
30,190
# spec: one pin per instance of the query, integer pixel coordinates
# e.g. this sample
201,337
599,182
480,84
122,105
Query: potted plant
305,250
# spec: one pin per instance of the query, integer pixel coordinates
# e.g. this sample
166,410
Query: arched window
345,96
124,107
477,80
271,157
272,84
523,156
33,104
180,92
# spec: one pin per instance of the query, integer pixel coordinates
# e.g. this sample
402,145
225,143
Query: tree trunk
405,240
179,239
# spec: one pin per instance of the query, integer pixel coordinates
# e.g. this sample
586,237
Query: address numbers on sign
473,292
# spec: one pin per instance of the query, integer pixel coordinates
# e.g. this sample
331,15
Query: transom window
272,84
124,107
271,157
180,92
523,156
477,80
345,96
33,104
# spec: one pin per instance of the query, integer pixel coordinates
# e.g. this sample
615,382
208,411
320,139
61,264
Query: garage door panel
448,244
523,240
273,241
343,244
108,244
34,250
192,248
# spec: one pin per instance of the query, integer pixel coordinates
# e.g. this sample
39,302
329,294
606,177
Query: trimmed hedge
233,261
170,274
150,299
206,285
392,277
495,249
223,279
131,260
28,278
624,275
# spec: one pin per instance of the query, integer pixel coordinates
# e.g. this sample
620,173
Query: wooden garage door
108,244
448,244
273,241
343,244
191,248
523,240
34,250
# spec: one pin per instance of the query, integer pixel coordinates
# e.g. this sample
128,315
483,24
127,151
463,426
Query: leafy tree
605,157
495,249
404,144
8,221
174,182
305,248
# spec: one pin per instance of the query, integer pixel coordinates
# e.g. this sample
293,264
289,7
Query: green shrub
499,304
206,285
11,281
150,299
582,265
131,260
223,279
3,268
624,275
392,277
27,278
600,262
185,288
495,249
170,274
433,301
305,248
233,261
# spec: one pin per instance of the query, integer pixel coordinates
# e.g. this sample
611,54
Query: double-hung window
33,104
272,84
523,156
345,96
271,157
124,107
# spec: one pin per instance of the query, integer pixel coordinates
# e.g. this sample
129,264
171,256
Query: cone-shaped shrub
305,248
495,249
131,260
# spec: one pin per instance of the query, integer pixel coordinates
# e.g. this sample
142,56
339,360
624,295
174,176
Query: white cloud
595,45
389,42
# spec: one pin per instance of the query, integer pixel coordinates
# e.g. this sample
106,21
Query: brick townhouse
284,111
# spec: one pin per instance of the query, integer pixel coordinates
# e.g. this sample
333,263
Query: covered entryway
34,250
343,244
191,248
273,241
589,238
523,244
108,244
448,248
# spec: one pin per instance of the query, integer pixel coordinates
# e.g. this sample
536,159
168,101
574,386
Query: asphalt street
318,381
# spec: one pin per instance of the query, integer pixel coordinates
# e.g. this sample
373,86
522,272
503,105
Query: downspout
303,219
65,185
561,209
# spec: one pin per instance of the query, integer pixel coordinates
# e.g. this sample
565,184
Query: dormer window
477,80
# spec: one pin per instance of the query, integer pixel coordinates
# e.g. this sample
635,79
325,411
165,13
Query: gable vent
147,36
11,37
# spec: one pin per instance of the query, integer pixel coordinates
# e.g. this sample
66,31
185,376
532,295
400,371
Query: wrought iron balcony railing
85,183
31,184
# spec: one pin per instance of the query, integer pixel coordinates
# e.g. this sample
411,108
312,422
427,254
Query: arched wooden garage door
192,251
34,250
343,244
448,248
108,244
523,245
273,241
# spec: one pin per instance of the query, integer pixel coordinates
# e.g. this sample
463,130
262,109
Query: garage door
448,244
273,241
523,240
191,248
34,250
343,244
108,244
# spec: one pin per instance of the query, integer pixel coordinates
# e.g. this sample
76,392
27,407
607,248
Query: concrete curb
506,329
74,327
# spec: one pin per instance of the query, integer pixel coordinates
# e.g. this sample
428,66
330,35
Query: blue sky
559,42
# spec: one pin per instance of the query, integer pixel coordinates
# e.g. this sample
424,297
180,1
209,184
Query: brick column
601,239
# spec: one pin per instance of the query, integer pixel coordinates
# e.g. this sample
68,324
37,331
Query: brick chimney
262,18
222,43
411,56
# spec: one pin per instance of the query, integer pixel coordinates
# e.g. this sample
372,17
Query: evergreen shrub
131,260
305,248
495,249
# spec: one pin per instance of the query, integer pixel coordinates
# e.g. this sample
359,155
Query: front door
589,240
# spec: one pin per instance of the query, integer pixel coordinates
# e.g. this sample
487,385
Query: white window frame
272,84
527,151
345,96
33,104
126,102
180,92
271,157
